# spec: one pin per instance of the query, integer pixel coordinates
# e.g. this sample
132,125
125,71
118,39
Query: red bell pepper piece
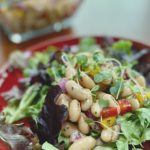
125,106
109,112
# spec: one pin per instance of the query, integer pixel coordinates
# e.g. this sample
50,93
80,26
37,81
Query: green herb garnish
103,103
123,46
104,75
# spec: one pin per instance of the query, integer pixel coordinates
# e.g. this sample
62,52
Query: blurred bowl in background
25,19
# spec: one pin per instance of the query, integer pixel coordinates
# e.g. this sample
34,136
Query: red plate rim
59,41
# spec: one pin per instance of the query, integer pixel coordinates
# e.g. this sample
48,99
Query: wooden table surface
123,18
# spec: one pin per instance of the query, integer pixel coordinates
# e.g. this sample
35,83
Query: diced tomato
26,122
4,146
3,103
109,112
125,106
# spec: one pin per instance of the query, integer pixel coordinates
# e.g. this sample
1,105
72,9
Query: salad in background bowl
76,94
35,18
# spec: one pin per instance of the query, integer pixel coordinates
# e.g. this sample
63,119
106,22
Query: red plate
13,77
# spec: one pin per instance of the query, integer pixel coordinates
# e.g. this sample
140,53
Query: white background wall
125,18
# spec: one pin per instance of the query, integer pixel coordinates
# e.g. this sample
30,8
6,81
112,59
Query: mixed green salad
81,97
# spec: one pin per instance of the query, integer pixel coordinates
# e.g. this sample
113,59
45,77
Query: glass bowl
25,19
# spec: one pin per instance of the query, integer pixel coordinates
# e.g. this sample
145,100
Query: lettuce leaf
51,117
122,143
48,146
135,128
18,137
29,106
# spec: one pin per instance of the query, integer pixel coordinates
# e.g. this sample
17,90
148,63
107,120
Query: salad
83,97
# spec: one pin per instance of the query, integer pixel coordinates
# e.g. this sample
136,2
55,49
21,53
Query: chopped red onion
62,84
75,136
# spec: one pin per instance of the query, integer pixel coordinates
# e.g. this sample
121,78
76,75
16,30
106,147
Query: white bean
126,92
68,128
85,143
96,109
86,105
86,81
70,72
75,90
115,134
110,134
106,135
141,80
74,110
99,142
82,125
63,99
134,103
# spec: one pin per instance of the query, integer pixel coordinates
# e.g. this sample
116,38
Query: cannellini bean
115,134
86,81
99,142
141,80
63,99
110,134
85,143
74,110
68,128
100,94
96,109
86,105
75,90
70,72
106,135
134,103
82,125
126,92
110,99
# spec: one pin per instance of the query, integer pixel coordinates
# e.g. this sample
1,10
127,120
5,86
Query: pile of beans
78,99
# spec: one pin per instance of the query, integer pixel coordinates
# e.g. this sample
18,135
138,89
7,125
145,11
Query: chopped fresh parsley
87,43
103,75
103,103
62,140
89,121
99,58
95,134
117,87
95,89
48,146
123,46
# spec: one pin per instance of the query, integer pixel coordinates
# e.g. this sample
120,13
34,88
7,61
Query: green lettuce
135,128
48,146
29,106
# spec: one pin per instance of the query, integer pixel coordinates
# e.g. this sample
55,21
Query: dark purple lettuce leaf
42,77
50,119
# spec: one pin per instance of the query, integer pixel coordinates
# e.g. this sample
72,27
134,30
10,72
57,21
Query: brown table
125,18
8,47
